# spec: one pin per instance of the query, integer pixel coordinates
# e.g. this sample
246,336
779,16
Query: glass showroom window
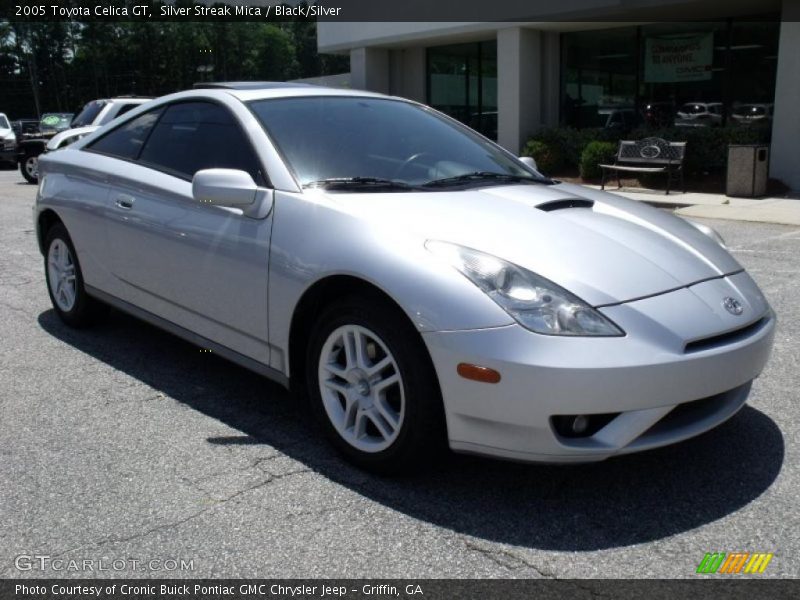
462,82
599,77
705,74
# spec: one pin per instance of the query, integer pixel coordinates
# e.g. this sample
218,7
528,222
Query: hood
603,248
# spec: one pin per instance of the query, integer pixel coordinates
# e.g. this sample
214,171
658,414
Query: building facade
739,66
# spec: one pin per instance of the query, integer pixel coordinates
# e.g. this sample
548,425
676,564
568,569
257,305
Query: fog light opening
580,424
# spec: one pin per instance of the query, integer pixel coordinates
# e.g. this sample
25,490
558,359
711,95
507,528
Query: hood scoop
561,204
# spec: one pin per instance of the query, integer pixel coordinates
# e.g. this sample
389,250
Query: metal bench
650,155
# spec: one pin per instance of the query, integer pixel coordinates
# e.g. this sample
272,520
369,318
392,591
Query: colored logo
734,562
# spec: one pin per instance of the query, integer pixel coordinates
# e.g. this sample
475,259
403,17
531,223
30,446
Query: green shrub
568,143
593,154
547,156
707,147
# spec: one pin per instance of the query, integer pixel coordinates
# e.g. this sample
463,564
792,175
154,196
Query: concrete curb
782,211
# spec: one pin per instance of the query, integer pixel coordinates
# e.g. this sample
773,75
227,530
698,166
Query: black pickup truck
30,145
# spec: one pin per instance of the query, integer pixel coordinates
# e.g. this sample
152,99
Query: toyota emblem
732,305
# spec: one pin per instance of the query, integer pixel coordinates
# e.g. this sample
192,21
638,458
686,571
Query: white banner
674,59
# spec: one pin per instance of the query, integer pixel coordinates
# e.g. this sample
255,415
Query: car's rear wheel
373,388
65,280
29,167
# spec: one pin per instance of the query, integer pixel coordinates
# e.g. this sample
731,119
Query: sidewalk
784,211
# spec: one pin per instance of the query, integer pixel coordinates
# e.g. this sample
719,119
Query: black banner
537,11
406,589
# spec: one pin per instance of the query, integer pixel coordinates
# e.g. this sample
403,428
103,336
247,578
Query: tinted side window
125,108
192,136
126,141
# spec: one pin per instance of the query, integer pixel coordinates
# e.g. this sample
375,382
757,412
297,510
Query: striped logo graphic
734,562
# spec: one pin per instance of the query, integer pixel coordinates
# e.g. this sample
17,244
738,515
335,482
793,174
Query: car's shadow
619,502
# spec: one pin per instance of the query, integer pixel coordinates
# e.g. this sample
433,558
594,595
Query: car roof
250,85
246,91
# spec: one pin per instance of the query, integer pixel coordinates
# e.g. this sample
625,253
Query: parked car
752,114
658,114
623,119
412,280
93,115
31,145
23,127
8,141
700,114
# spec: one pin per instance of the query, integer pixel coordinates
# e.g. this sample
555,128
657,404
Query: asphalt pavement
128,447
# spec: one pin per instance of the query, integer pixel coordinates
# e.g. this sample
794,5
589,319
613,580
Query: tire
381,408
29,167
65,281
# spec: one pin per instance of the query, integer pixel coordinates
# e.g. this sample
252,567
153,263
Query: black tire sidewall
24,171
422,431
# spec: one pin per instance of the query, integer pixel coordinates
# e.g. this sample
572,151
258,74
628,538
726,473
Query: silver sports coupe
414,282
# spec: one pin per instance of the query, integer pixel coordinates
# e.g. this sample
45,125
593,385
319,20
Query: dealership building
509,79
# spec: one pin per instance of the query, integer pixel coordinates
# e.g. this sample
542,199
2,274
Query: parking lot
124,443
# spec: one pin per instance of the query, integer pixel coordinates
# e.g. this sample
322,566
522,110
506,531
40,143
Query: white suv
93,115
700,114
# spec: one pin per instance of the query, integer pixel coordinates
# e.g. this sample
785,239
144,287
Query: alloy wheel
32,166
61,275
361,387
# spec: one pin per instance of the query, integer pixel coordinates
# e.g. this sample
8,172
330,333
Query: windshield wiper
483,176
358,182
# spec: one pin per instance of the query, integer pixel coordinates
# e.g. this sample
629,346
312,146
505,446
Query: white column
519,78
369,69
785,151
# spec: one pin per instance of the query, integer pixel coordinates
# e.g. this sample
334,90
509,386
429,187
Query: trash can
747,170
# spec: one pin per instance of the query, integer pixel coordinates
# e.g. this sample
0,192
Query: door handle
125,202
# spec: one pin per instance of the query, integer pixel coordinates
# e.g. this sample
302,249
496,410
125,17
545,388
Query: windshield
89,113
4,122
750,110
327,138
693,109
57,121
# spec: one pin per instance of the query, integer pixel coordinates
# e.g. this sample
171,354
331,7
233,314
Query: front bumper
684,367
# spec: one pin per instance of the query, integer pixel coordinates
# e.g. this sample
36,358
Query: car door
199,266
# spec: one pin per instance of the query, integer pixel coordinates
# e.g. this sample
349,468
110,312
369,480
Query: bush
568,143
707,147
593,154
547,156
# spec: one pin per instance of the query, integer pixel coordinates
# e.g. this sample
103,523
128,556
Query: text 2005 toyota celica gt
413,280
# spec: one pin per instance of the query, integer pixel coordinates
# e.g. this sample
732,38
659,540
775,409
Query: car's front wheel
373,387
29,167
65,280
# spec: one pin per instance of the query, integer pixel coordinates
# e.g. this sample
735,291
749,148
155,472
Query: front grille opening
687,413
565,203
581,426
725,338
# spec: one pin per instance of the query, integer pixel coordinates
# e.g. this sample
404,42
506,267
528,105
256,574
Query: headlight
533,301
709,231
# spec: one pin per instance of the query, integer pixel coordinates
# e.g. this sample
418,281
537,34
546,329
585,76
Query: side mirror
224,187
528,160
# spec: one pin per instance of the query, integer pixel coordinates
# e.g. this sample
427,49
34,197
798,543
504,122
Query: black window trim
178,175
